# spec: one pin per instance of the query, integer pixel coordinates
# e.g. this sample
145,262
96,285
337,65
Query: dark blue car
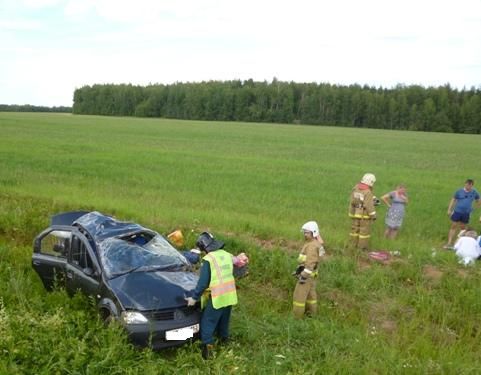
134,274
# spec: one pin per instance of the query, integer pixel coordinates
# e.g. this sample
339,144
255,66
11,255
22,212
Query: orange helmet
176,237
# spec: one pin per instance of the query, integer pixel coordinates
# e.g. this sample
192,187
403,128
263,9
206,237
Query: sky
48,48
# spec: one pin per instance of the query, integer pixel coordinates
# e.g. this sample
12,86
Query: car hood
153,290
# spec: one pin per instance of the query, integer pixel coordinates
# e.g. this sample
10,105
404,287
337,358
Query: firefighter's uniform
361,212
305,297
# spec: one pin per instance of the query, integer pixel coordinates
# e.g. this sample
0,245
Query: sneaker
448,247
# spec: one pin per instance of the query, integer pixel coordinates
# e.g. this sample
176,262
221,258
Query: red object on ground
379,255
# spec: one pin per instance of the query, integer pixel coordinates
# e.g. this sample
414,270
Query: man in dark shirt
460,207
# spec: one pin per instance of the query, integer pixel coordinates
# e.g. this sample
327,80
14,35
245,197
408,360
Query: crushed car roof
101,226
67,218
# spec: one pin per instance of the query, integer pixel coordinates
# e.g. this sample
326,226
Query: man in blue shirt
462,202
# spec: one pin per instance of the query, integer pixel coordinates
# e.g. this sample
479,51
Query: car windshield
121,256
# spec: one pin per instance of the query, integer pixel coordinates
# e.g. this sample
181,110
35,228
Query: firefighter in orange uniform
362,212
305,296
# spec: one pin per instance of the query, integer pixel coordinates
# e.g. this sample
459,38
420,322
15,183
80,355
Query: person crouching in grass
467,247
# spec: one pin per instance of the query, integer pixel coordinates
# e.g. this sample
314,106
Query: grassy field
254,185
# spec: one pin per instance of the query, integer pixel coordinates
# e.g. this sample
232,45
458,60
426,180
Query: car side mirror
88,271
36,245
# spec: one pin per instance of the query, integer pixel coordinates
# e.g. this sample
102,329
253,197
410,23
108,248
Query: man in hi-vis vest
216,290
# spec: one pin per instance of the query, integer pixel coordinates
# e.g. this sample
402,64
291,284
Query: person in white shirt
467,247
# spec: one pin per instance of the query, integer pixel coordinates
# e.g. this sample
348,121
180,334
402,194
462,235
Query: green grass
254,185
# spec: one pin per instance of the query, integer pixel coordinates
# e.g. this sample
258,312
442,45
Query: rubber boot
207,351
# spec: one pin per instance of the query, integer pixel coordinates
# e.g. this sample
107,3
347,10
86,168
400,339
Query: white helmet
369,179
311,226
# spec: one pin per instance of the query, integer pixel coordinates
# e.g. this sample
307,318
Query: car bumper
153,334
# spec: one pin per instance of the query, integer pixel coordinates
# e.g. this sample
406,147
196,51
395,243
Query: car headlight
133,317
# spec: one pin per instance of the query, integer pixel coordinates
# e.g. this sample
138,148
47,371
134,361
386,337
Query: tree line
441,109
33,108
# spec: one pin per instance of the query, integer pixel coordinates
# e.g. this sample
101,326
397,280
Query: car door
82,270
49,256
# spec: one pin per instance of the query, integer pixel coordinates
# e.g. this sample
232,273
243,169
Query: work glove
302,279
190,301
298,271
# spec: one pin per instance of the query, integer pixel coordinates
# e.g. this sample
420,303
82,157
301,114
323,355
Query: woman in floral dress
396,201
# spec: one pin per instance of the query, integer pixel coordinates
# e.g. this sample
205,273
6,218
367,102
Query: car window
56,243
80,256
120,256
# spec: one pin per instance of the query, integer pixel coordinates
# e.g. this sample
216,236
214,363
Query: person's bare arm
451,205
385,198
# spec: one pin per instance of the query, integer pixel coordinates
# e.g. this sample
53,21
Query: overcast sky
50,47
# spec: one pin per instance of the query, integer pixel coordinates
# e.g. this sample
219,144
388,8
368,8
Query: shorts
460,217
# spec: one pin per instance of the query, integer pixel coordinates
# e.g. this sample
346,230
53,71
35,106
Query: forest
439,109
33,108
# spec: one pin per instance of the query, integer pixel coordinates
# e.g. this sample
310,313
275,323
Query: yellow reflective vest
222,283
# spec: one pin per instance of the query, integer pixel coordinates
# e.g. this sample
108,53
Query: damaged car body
134,274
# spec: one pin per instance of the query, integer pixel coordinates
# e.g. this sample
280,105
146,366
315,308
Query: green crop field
253,185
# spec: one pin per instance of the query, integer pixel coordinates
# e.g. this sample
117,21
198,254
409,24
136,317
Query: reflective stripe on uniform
357,216
222,283
311,301
354,234
298,304
364,236
307,271
301,258
217,290
372,213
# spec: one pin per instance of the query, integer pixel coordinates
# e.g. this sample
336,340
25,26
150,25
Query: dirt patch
388,326
380,315
463,273
291,246
444,336
286,245
432,273
363,264
339,299
399,260
267,244
381,308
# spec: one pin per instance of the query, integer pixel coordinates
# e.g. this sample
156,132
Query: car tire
106,316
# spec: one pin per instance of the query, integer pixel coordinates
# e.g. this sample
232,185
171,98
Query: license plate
183,333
